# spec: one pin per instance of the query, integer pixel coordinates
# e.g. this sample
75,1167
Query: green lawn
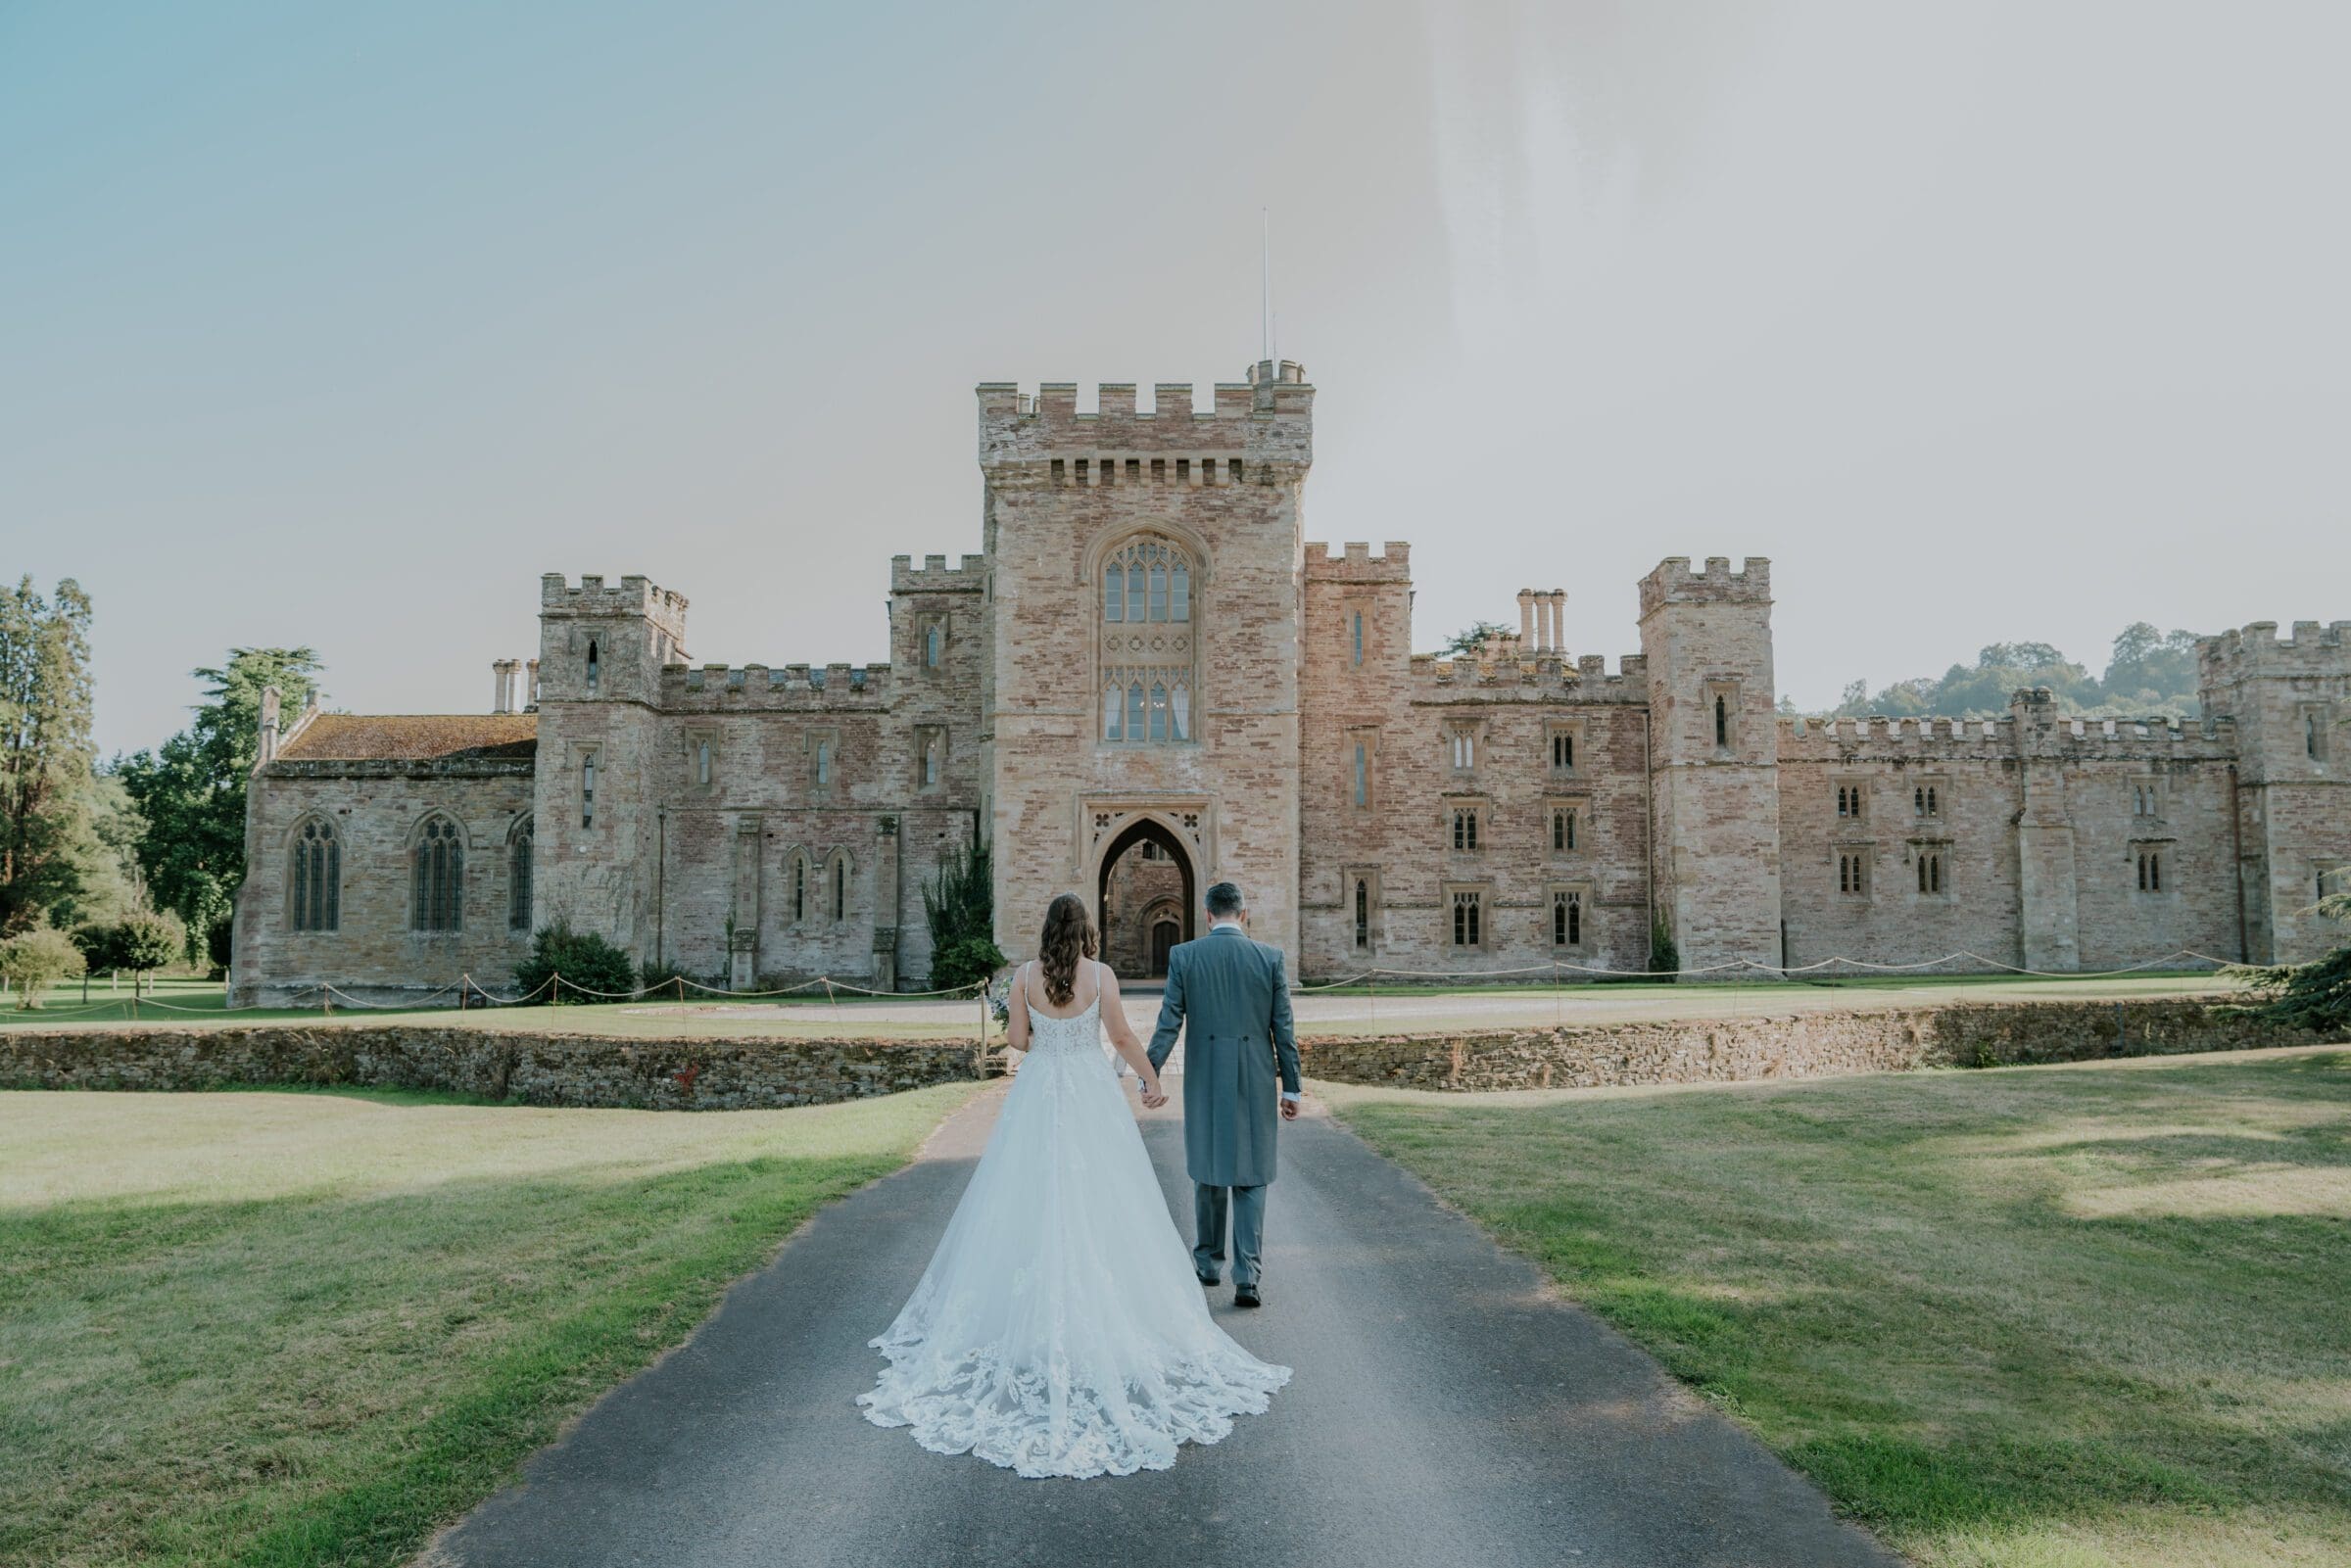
2036,1318
304,1328
203,1004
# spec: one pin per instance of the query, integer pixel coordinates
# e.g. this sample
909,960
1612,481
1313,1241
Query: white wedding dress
1059,1330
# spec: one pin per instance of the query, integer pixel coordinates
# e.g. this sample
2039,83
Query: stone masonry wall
553,1070
1791,1046
375,809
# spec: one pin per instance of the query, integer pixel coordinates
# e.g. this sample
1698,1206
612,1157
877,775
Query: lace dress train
1059,1330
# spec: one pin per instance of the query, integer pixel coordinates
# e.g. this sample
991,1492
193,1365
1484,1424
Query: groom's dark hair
1224,900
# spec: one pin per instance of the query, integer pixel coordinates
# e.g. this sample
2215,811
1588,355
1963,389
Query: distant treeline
2150,673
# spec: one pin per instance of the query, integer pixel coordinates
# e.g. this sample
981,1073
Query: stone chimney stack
502,673
270,701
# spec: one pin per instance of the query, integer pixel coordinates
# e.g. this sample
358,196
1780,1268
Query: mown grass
2041,1317
1337,1011
279,1329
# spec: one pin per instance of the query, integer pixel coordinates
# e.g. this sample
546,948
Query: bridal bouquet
999,999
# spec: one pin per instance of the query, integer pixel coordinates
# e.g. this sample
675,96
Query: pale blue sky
339,324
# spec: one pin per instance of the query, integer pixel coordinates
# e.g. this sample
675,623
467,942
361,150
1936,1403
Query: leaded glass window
436,878
318,877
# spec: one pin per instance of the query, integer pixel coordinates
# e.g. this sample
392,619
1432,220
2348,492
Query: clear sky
339,324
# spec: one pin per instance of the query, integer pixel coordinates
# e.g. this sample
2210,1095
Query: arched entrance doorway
1144,899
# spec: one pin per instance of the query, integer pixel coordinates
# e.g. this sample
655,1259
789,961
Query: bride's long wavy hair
1068,937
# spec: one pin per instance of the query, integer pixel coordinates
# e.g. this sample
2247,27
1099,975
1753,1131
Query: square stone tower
2291,702
1143,600
1713,758
600,655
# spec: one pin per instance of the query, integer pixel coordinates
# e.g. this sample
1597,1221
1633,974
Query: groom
1229,995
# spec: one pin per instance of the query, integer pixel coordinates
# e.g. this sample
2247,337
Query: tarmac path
1445,1409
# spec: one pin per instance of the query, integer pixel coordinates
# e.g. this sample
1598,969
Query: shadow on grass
316,1380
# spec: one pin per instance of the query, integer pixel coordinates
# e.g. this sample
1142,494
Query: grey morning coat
1230,996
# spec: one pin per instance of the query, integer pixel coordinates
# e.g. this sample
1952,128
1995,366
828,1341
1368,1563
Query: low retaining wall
1799,1045
556,1070
738,1074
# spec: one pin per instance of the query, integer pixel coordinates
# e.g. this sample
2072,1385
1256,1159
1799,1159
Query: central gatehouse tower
1140,731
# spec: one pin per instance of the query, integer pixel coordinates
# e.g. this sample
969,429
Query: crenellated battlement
728,688
1543,678
936,576
636,595
2313,648
1675,583
1267,418
1356,564
1879,738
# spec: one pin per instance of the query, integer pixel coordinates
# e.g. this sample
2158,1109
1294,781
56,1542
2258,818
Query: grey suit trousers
1208,1230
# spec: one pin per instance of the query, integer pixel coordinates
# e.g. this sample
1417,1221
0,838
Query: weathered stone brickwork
1147,651
556,1069
1803,1045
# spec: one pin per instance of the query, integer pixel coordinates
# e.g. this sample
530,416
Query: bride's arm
1016,1011
1122,1034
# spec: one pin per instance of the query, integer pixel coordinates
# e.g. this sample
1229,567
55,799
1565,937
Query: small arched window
436,878
930,762
1363,779
588,790
594,669
2309,735
519,847
1359,637
840,886
1363,912
318,877
799,889
824,763
934,641
701,762
1722,722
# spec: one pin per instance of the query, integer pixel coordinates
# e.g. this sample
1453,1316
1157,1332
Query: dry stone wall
1789,1046
553,1070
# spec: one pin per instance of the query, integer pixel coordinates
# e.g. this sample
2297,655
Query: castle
1148,681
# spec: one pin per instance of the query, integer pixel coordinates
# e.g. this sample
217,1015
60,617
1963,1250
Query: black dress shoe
1245,1296
1209,1279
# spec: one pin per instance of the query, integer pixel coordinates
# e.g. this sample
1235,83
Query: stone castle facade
1148,680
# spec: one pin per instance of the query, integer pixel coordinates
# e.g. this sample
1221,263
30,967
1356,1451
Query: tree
148,940
1472,638
35,959
46,756
565,965
2316,995
2152,671
960,906
191,791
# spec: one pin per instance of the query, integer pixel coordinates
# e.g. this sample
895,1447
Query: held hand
1154,1095
1289,1110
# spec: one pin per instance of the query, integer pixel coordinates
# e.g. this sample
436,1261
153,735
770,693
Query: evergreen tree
46,756
191,791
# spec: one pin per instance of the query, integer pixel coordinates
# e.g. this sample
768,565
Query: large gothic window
1148,666
519,876
436,878
318,877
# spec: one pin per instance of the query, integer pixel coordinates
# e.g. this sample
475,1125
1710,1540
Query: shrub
564,963
662,978
968,961
100,942
32,961
2316,995
1664,956
150,940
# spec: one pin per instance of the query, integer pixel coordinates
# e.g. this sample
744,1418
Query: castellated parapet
1147,681
1267,419
636,595
1673,583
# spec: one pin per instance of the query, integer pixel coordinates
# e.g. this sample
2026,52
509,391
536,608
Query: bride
1059,1330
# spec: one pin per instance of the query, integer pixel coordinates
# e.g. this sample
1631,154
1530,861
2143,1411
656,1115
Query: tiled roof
415,736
